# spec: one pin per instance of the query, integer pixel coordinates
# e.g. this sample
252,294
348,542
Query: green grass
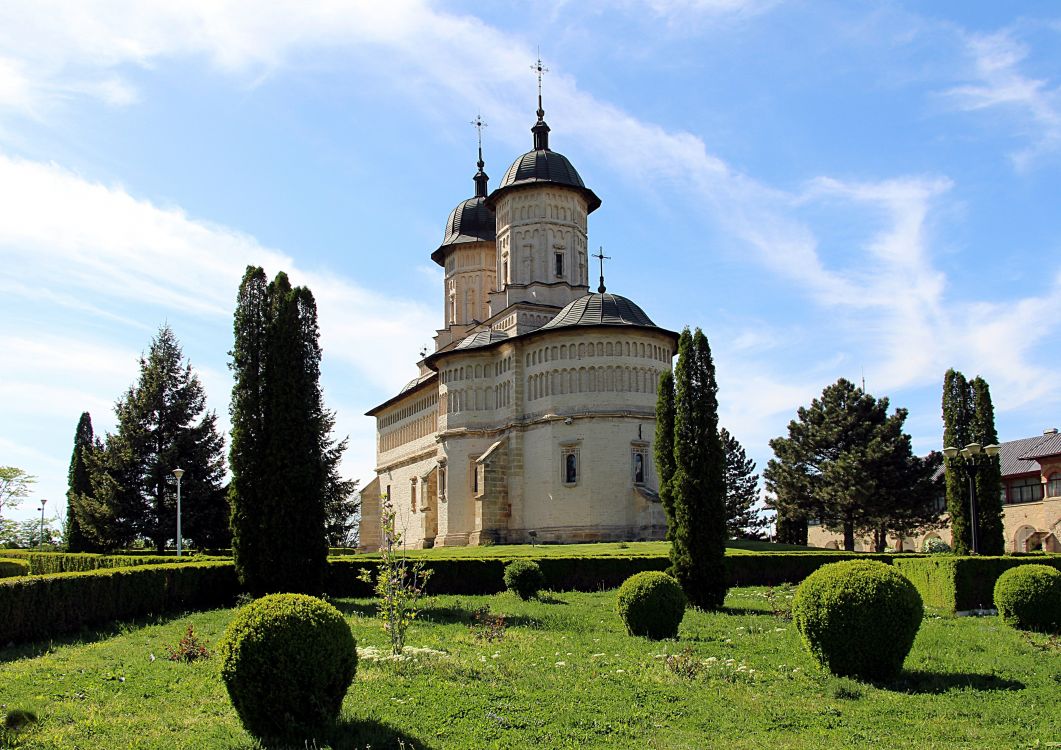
564,675
597,549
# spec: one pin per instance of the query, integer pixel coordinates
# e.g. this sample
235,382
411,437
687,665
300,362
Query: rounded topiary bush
1029,597
287,660
651,604
858,618
524,578
935,546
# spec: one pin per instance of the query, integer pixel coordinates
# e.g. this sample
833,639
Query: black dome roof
545,166
471,221
481,338
600,310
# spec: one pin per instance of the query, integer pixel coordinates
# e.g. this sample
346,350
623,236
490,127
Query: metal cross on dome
540,69
600,254
479,125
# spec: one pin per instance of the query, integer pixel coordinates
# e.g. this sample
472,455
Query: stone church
533,419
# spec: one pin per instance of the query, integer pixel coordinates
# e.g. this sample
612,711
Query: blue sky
828,189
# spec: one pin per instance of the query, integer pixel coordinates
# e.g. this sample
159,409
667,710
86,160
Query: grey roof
481,338
600,310
545,166
415,382
1048,445
471,221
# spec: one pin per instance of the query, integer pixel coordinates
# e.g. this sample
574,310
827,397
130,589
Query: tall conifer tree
664,444
283,458
991,536
698,485
133,489
742,490
80,485
957,432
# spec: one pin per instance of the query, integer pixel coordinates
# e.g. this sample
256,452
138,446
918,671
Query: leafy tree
284,461
742,490
664,446
162,425
969,417
79,480
14,486
698,485
791,528
840,461
342,502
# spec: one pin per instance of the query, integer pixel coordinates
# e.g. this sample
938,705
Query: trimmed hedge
38,607
524,578
474,576
48,563
960,584
651,604
10,568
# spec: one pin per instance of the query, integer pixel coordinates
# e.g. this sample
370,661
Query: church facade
533,419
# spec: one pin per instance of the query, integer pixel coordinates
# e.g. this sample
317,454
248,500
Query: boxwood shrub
36,607
9,568
524,578
858,618
651,604
287,661
1029,597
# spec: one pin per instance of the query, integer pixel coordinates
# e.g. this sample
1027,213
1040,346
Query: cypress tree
284,463
742,490
698,485
247,496
990,533
80,485
294,451
957,432
664,444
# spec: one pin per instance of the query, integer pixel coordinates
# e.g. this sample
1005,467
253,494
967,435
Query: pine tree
284,462
80,485
791,528
664,445
742,490
698,486
839,462
133,489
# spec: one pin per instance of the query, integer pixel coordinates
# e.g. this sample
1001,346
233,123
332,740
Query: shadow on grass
84,636
745,611
462,616
934,683
352,735
545,598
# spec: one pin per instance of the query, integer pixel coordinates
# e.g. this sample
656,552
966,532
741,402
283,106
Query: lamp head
974,448
950,451
966,453
178,473
991,450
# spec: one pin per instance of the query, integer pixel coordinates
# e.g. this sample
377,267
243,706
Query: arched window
1053,487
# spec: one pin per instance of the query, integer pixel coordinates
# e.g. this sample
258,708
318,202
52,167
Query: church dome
471,221
600,309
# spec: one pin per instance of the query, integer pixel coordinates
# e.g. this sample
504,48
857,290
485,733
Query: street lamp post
178,473
973,456
43,501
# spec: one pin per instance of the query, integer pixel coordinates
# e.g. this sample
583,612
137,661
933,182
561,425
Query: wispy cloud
999,84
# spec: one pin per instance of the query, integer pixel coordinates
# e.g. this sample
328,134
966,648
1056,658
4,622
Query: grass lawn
564,675
596,549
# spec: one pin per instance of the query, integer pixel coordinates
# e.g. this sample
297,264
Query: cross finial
600,254
479,125
540,69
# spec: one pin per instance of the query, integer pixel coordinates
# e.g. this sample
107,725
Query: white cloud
1000,85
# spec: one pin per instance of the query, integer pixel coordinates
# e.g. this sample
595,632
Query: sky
827,189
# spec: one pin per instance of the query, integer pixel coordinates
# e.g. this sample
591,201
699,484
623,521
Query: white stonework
513,431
